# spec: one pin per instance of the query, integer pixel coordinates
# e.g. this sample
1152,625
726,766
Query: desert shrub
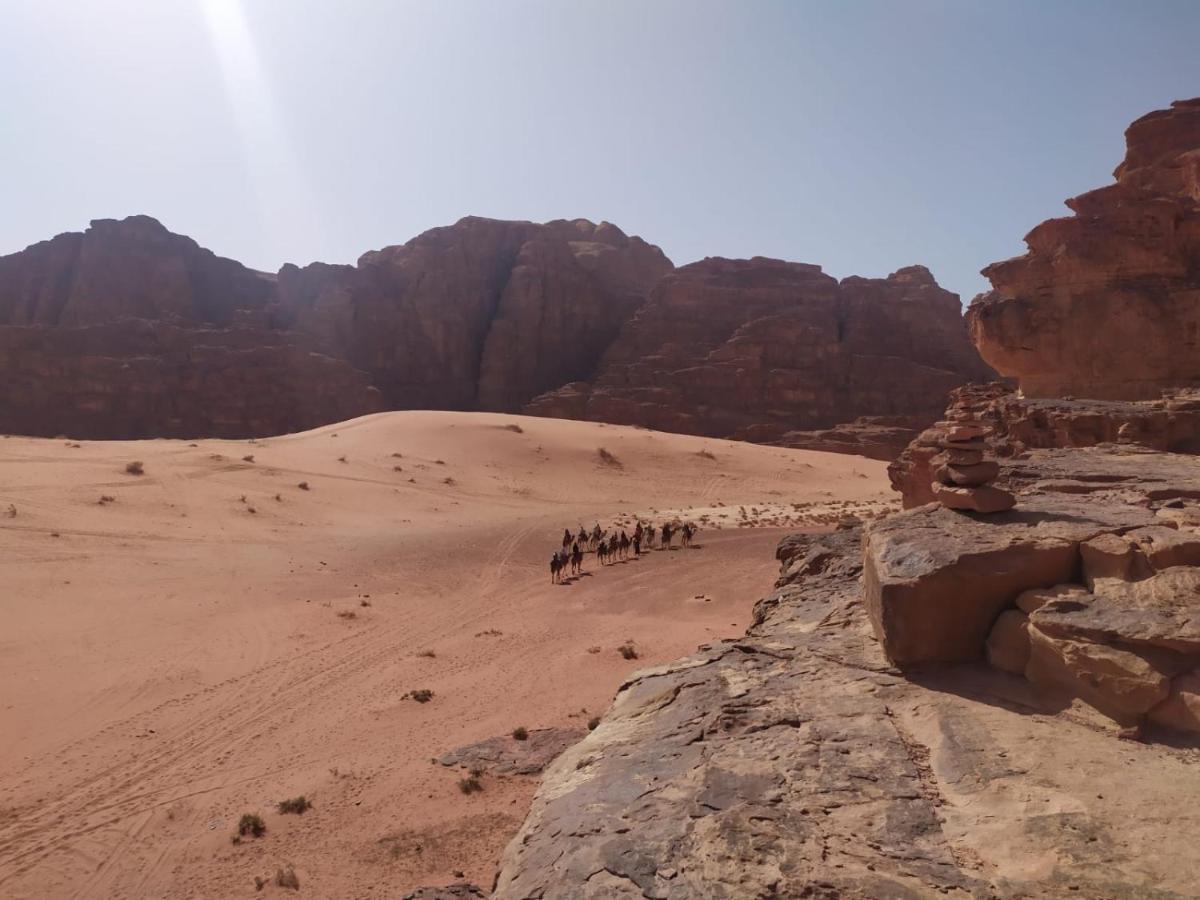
593,723
303,485
422,695
430,654
448,480
397,468
341,459
470,785
706,453
439,462
11,512
364,602
514,428
286,878
251,825
249,457
347,614
296,805
520,733
607,458
627,650
135,468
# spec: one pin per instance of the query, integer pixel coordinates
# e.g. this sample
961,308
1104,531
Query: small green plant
251,825
520,733
470,785
295,806
627,650
135,468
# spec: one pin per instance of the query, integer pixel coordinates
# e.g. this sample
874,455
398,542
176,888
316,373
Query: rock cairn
962,477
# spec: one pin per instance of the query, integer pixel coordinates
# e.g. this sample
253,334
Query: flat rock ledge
796,761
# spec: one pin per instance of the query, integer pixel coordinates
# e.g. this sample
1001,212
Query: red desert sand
209,638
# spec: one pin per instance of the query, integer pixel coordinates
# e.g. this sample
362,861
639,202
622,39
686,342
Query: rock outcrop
1018,424
797,762
755,349
1106,303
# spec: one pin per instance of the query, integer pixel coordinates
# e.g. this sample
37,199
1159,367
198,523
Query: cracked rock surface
796,762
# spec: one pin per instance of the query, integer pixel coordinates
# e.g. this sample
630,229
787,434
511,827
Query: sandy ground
208,638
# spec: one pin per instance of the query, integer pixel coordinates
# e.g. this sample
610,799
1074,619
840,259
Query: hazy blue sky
862,136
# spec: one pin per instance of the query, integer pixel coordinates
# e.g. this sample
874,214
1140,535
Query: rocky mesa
756,349
479,315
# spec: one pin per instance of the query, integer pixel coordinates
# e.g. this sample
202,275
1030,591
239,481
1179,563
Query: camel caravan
612,547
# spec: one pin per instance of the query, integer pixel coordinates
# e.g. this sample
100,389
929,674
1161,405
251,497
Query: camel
602,552
567,539
555,568
687,531
576,560
624,545
597,534
667,534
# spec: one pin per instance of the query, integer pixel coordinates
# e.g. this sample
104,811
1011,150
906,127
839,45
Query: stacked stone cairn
962,477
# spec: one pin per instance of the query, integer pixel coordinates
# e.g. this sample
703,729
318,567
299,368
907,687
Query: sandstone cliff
483,314
1106,303
796,761
128,330
758,348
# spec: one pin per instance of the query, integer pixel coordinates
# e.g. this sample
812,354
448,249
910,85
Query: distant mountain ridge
127,330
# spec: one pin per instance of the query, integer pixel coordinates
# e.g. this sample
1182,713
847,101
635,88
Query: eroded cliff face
1106,303
758,348
483,314
128,330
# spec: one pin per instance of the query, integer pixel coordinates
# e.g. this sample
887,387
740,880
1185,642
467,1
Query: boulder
1008,642
1107,556
975,499
1181,709
1121,682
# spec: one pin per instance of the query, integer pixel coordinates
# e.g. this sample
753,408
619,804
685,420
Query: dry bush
520,733
427,653
303,485
286,878
514,428
397,468
448,480
423,695
249,457
627,650
470,785
251,825
135,468
296,805
341,459
11,512
706,453
347,614
607,458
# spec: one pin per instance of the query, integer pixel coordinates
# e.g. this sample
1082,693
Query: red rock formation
482,314
137,379
759,348
1106,303
1020,424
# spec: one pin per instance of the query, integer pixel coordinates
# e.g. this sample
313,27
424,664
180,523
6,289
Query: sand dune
208,638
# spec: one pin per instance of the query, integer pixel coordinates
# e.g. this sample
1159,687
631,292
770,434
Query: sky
862,136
